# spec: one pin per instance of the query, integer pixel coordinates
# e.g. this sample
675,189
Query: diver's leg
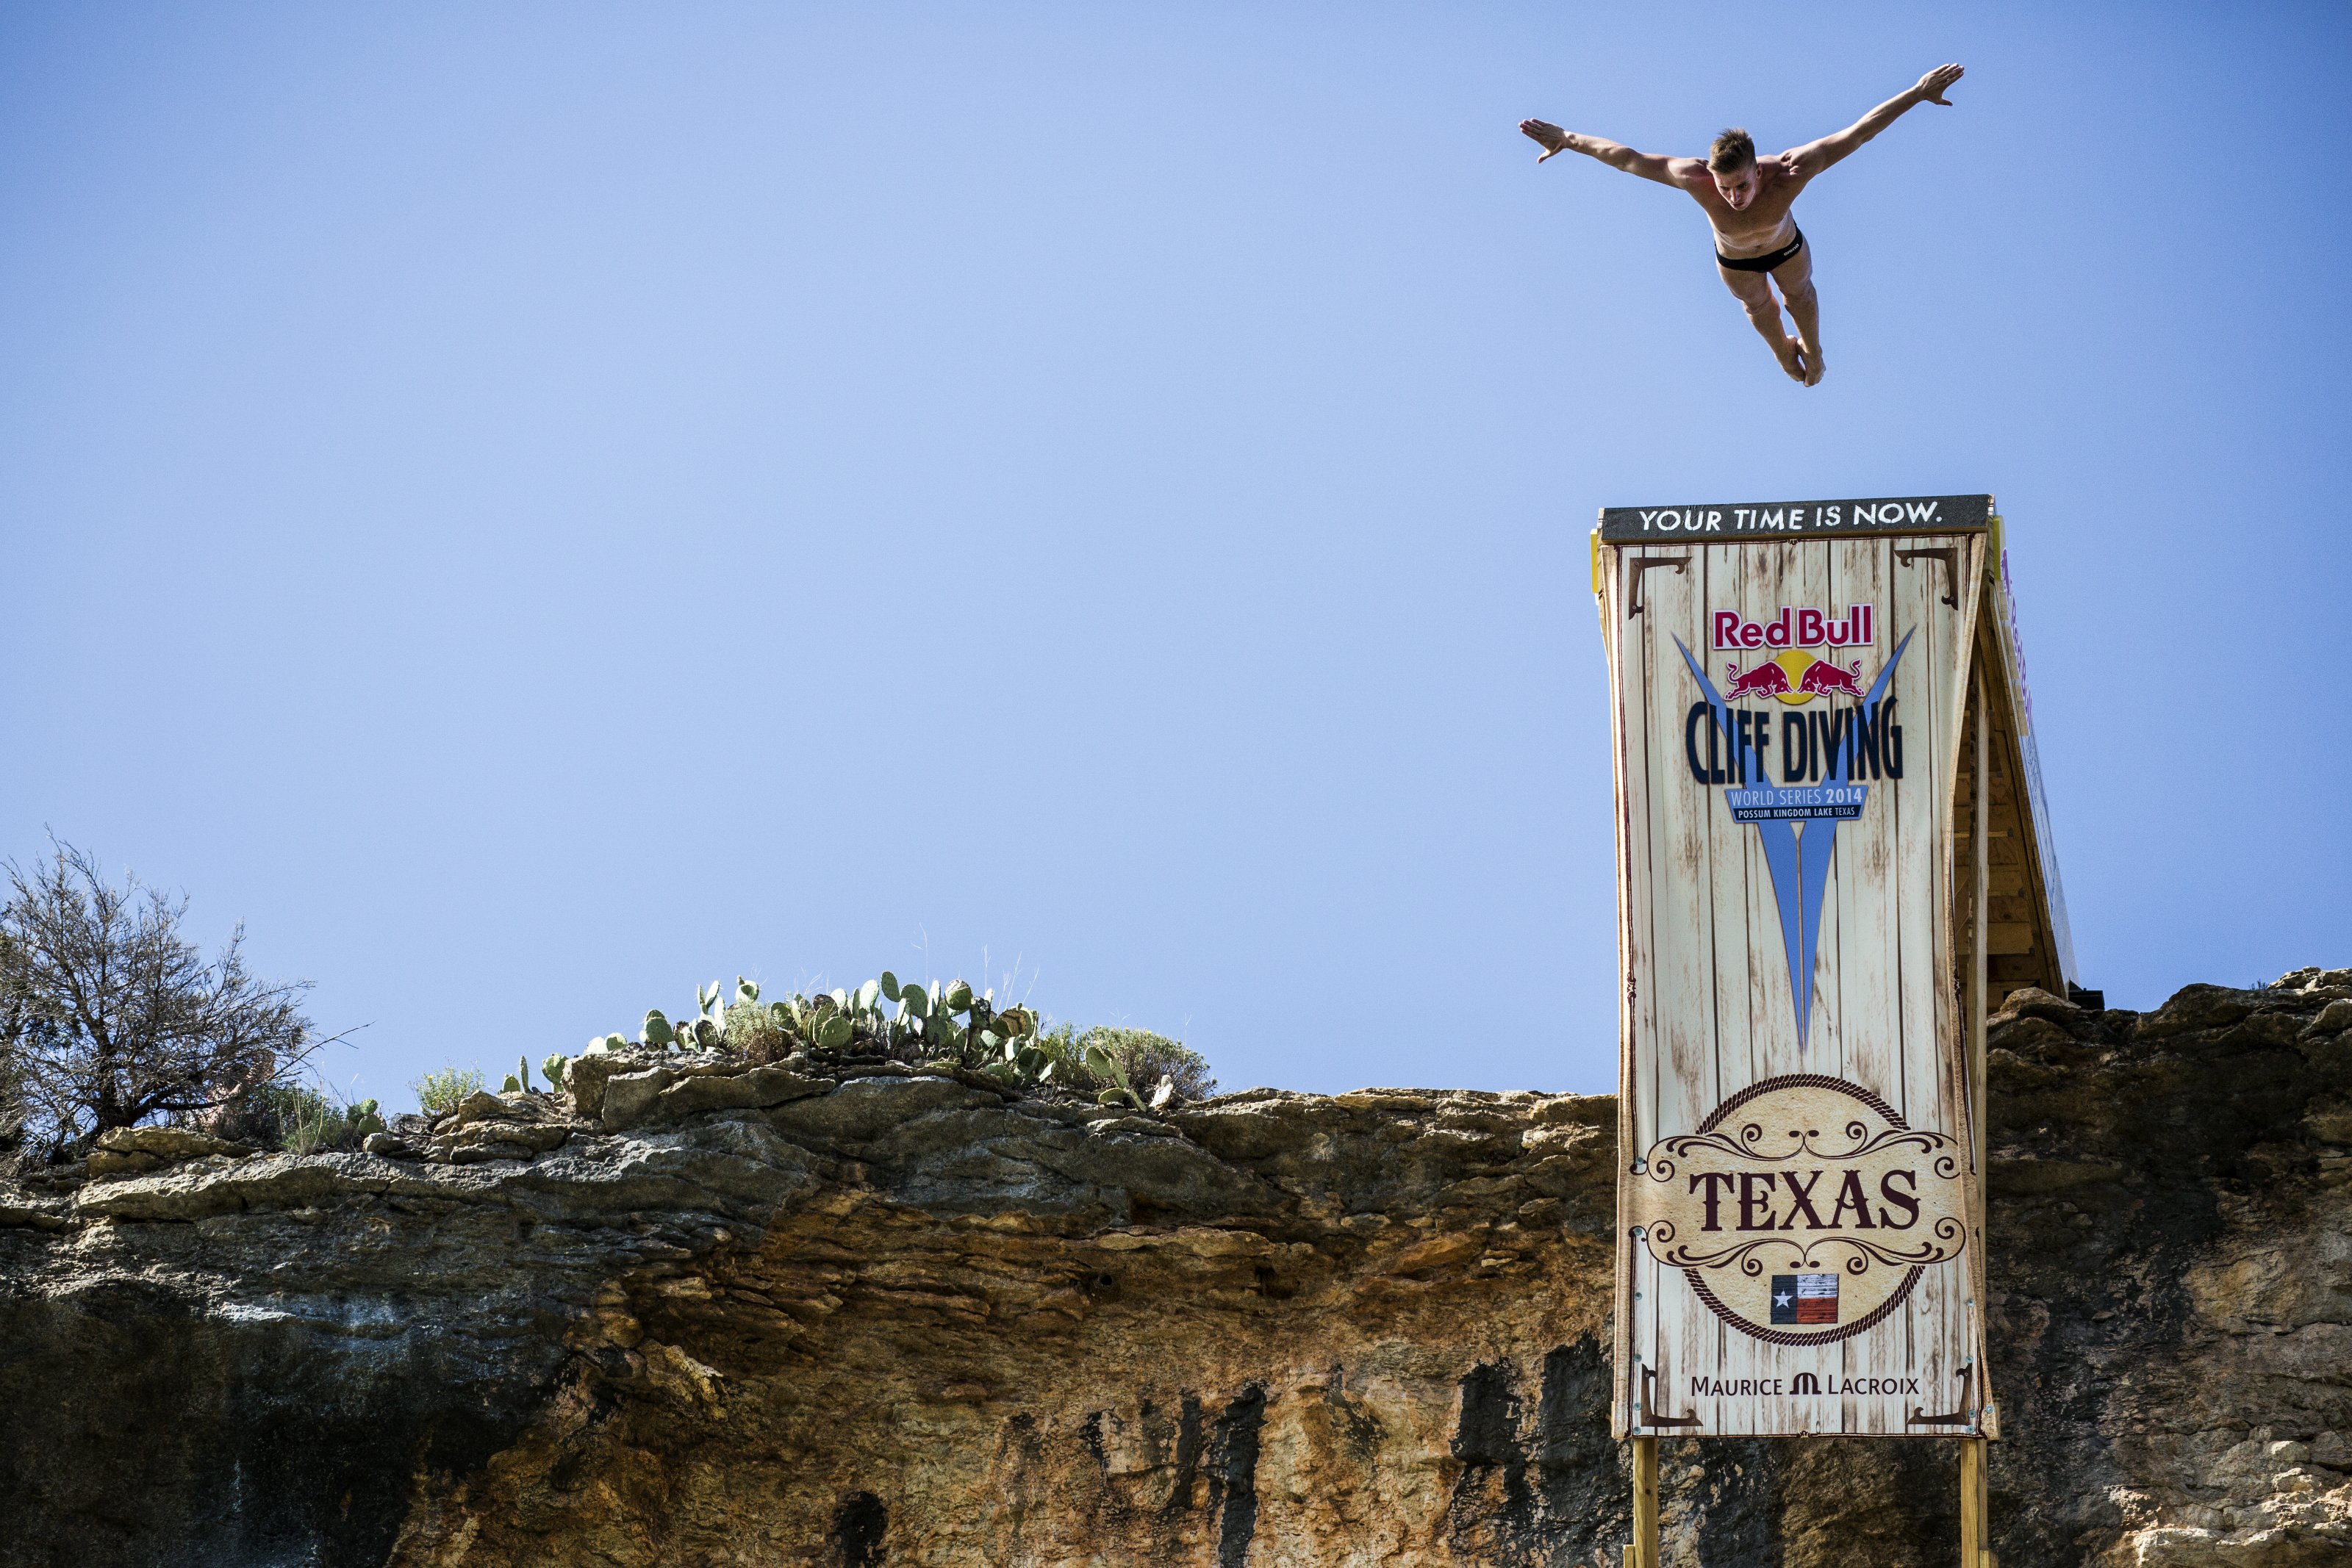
1755,297
1795,276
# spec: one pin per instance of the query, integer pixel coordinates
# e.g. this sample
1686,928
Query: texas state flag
1804,1298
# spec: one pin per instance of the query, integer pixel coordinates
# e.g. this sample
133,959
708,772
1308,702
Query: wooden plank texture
1770,1289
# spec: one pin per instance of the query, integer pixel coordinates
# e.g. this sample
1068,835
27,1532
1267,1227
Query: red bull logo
1796,679
1808,627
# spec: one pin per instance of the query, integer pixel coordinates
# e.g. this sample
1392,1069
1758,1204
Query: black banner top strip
1785,520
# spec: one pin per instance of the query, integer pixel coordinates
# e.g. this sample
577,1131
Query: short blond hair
1732,151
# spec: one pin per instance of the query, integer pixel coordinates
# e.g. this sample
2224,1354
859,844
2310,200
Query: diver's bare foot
1810,355
1791,361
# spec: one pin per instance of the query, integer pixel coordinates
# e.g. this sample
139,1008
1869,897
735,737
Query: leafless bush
110,1017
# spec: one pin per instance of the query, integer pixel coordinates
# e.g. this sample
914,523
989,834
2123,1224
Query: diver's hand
1550,137
1931,86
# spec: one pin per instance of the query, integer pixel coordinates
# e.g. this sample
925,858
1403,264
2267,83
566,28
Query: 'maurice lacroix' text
1805,628
1804,1386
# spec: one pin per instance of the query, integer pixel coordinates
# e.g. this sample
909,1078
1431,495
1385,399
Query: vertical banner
1799,1247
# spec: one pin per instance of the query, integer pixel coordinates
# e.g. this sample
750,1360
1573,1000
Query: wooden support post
1980,785
1644,1552
1975,1504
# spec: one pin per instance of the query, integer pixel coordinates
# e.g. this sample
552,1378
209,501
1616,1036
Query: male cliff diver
1747,201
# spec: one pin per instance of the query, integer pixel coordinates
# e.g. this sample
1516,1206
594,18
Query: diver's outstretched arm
1648,165
1804,162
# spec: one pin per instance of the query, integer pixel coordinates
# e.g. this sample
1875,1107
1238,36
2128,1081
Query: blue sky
531,507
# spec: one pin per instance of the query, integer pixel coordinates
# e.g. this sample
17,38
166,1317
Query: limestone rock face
856,1317
127,1150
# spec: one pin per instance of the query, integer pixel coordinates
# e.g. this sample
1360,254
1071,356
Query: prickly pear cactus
944,1025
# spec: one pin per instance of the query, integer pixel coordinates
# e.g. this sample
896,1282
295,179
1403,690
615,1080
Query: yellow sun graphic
1796,663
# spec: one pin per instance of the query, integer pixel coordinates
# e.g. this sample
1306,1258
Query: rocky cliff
851,1316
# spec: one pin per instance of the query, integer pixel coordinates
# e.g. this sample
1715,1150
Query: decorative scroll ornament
1804,1209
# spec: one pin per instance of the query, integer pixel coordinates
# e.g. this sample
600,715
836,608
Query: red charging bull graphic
1814,678
1766,680
1825,679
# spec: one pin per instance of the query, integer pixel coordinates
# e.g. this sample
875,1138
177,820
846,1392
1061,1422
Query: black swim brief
1764,263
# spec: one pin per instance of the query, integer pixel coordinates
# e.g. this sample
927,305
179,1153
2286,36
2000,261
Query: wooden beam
1644,1551
1977,954
1975,1505
1975,1544
2015,844
2005,937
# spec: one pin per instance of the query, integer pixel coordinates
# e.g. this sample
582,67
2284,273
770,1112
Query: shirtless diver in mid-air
1747,201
